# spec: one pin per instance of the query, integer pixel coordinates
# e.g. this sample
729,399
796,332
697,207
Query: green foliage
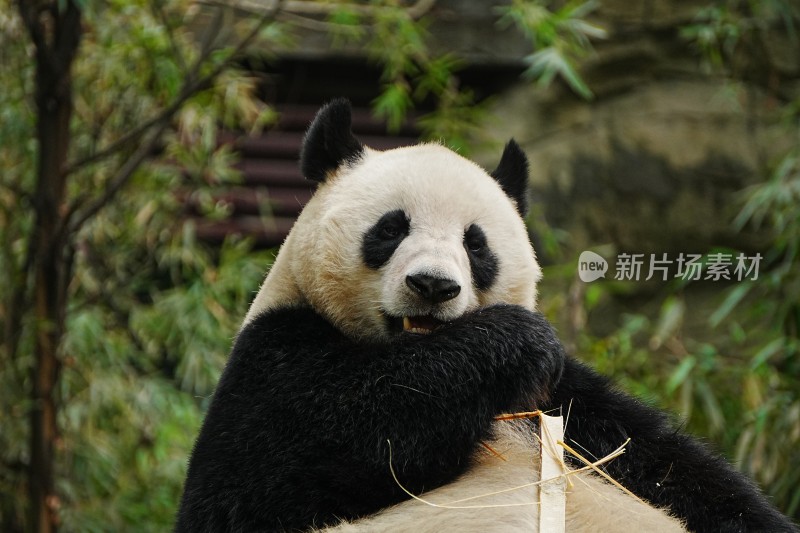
138,361
736,384
763,315
770,442
730,34
727,359
16,124
560,38
399,47
412,73
150,310
728,363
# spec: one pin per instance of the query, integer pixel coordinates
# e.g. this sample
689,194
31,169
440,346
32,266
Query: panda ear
512,175
329,142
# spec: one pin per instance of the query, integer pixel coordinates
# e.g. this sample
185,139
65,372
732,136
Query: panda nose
435,290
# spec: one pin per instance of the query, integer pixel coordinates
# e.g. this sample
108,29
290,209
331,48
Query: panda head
402,240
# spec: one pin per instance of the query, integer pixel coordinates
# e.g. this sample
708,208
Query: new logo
591,266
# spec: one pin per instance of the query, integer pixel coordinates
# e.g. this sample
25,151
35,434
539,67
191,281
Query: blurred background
149,171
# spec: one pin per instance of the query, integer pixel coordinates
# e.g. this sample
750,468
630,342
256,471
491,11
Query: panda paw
521,341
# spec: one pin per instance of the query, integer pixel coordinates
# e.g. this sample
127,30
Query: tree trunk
56,42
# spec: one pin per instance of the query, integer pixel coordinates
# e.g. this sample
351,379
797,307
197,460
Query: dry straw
565,477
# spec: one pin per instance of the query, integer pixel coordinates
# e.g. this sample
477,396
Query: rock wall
658,160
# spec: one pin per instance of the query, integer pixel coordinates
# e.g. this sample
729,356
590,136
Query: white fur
320,265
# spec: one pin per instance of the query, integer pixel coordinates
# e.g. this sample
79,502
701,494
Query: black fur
329,142
296,434
512,175
482,261
382,239
660,465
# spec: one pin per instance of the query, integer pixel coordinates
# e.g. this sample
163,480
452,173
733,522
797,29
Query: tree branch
190,87
158,10
67,36
77,216
19,303
30,17
57,57
304,7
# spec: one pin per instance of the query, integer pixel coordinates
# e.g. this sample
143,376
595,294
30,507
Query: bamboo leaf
680,374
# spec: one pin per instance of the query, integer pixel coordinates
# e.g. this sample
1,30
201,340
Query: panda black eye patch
482,261
382,239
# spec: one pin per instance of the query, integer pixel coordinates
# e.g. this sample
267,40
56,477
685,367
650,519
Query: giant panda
399,318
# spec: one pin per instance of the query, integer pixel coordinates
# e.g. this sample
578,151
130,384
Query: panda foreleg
429,399
299,429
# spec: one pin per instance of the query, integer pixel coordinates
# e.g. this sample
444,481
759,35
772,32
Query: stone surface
657,162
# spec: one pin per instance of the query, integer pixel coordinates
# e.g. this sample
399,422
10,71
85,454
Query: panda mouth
419,325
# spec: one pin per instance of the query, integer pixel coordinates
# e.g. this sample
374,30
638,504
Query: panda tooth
406,324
